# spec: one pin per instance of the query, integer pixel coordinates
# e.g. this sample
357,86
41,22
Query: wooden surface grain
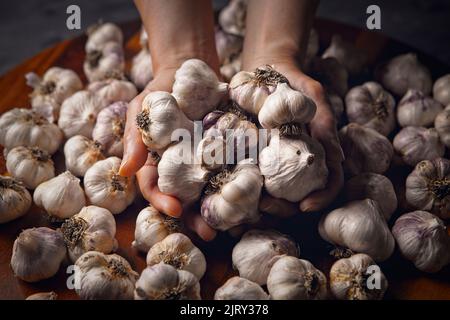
405,281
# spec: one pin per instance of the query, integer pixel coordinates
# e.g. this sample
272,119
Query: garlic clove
232,17
417,109
331,74
353,58
237,288
43,296
141,72
113,90
16,200
102,33
81,153
442,125
441,89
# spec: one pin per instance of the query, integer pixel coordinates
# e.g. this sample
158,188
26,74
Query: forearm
179,30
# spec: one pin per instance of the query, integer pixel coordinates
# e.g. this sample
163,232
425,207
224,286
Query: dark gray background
28,26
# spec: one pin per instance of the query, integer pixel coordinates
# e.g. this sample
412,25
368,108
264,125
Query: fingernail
122,168
306,207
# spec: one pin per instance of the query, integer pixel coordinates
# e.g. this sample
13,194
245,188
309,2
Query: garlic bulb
92,229
359,226
164,282
286,163
31,166
286,106
371,106
43,296
180,175
417,109
61,197
405,72
291,278
232,197
24,127
237,288
104,277
110,127
16,200
232,17
105,188
105,62
100,34
428,187
113,90
373,186
79,112
81,153
178,251
441,90
37,254
197,89
255,254
152,227
331,74
159,118
351,57
228,45
56,85
229,69
141,72
415,144
442,125
349,279
422,238
365,149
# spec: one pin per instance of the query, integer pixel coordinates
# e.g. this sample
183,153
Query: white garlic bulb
230,69
104,63
441,90
365,149
141,72
371,106
61,197
30,165
232,17
104,277
422,238
353,58
56,85
285,163
255,254
37,254
291,278
43,296
105,188
373,186
92,229
24,127
442,125
110,127
417,109
178,251
164,282
405,72
237,288
113,90
359,226
197,89
415,144
101,34
227,45
349,279
79,112
159,118
428,187
81,153
331,74
16,200
151,228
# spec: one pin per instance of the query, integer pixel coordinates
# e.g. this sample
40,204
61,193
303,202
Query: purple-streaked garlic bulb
417,109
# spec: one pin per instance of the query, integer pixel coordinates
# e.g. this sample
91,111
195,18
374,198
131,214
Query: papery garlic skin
178,251
422,238
79,112
255,254
105,188
349,279
365,149
81,153
197,89
291,278
405,72
110,127
141,72
164,282
415,144
359,226
428,187
99,35
101,64
227,45
237,288
151,228
43,296
37,254
417,109
441,90
32,166
353,58
442,125
24,127
113,90
92,229
286,163
331,74
61,197
232,17
371,106
373,186
16,200
104,277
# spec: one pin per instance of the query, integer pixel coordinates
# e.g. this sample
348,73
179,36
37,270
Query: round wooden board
405,281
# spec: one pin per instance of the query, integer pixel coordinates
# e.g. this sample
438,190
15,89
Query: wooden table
405,281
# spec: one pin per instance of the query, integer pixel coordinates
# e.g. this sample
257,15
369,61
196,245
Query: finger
277,207
195,222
